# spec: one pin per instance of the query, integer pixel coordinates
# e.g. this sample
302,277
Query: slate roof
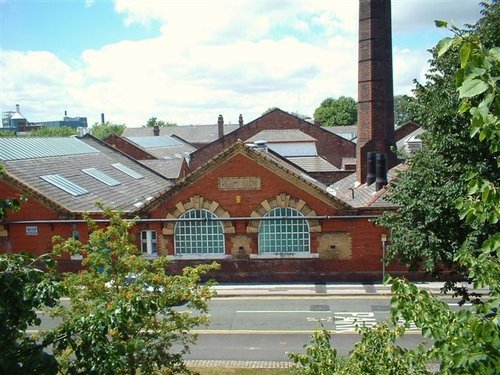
196,134
363,195
313,163
169,168
343,131
162,146
281,135
128,196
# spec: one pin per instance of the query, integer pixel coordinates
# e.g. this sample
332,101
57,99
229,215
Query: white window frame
149,244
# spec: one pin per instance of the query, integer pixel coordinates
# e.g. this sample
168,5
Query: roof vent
260,145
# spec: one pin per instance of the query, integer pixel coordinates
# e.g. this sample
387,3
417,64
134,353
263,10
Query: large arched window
203,235
284,234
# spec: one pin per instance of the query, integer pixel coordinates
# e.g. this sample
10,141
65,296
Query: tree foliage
464,341
375,354
53,131
102,131
428,230
123,317
153,121
24,289
7,133
403,109
340,111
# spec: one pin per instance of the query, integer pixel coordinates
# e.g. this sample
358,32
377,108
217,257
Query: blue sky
188,61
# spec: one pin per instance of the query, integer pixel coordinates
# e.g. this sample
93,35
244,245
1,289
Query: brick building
249,209
263,213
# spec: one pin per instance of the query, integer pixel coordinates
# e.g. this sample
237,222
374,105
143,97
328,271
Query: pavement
320,289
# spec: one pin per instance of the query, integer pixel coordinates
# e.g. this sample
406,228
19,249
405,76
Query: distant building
16,122
72,122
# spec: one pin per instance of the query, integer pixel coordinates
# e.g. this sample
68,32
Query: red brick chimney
220,126
375,91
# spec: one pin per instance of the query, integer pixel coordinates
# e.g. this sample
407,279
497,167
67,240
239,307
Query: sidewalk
318,289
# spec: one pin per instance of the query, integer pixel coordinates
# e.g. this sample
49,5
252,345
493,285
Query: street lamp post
383,238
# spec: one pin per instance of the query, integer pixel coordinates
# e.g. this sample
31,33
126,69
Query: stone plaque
239,183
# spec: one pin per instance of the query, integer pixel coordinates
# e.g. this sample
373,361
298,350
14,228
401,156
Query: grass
240,371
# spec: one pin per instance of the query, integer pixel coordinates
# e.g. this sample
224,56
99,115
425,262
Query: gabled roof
72,182
329,145
270,160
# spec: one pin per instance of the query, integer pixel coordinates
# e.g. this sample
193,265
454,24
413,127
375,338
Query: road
265,328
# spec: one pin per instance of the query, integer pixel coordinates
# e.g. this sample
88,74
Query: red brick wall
128,148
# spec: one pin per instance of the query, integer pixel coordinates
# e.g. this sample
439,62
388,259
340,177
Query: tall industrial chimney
375,91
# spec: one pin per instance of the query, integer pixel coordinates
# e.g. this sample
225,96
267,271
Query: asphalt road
266,328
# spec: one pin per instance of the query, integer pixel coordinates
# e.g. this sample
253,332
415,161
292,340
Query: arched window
203,235
284,234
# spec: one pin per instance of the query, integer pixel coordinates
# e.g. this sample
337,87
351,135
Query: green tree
341,111
24,289
122,319
153,121
49,131
102,131
402,109
427,230
7,133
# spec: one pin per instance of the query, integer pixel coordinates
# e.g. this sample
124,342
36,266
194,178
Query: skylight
64,184
103,177
128,171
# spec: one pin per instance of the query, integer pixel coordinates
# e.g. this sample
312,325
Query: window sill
285,256
198,256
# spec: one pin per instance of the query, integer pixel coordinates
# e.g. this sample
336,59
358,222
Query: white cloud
211,58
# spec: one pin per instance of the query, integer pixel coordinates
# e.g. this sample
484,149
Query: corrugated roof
16,148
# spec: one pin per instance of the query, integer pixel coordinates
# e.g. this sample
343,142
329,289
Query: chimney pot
371,168
102,118
156,130
240,120
381,171
17,108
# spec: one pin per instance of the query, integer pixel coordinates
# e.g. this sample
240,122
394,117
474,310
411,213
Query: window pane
283,235
200,237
